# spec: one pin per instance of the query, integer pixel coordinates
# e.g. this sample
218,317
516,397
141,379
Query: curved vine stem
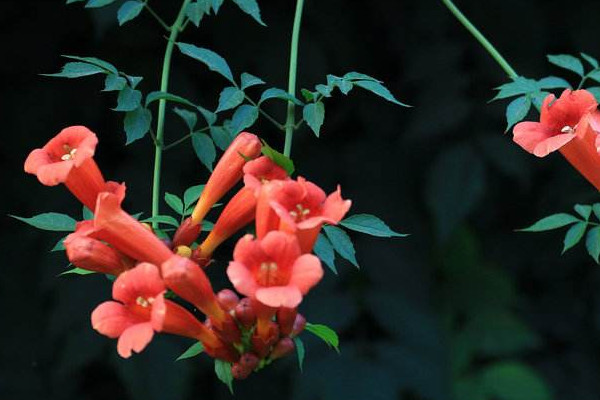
481,39
162,105
291,107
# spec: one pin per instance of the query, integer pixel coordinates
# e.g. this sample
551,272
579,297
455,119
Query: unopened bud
228,299
183,251
239,372
285,318
244,313
262,346
187,233
299,325
282,348
249,361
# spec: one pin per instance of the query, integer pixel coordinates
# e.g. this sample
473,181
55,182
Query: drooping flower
570,125
299,207
68,158
272,270
92,254
239,212
262,170
227,172
125,233
141,310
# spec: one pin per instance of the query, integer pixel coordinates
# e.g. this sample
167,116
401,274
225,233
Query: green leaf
341,243
223,371
205,149
129,10
369,224
511,380
220,136
192,351
212,60
380,90
592,243
249,80
357,76
325,90
574,235
567,61
77,271
190,118
174,202
137,124
595,75
216,4
192,194
50,222
278,158
77,70
554,221
250,7
276,93
591,60
314,115
324,333
59,246
129,99
307,94
344,84
300,351
162,219
95,61
596,210
74,1
114,83
584,210
324,250
229,98
517,110
195,12
98,3
595,90
86,213
537,98
520,85
244,117
553,82
154,96
134,80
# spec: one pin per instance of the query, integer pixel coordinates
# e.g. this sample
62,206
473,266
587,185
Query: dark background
464,308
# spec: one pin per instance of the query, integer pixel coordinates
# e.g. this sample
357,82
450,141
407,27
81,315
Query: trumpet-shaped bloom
272,270
570,125
68,158
92,254
227,172
298,207
141,310
262,170
238,213
125,233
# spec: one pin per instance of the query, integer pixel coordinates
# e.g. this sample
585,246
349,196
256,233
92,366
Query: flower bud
299,325
187,233
285,318
228,299
249,361
282,348
244,313
239,372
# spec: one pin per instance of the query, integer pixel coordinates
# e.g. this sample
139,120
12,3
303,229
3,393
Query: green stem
289,123
481,39
162,105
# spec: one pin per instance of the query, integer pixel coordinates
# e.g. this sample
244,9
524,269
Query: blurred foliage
465,308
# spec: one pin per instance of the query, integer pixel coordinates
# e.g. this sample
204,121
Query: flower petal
281,247
306,273
135,338
279,296
554,143
241,278
142,281
529,134
111,319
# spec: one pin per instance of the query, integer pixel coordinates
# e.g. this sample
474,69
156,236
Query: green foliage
174,202
129,10
341,243
194,350
229,98
223,371
221,136
276,93
204,149
369,224
514,381
190,118
567,62
50,222
324,333
191,195
137,123
314,115
250,7
77,70
300,352
77,271
208,57
162,219
554,221
114,83
324,250
98,3
278,158
517,110
248,80
195,11
243,117
129,99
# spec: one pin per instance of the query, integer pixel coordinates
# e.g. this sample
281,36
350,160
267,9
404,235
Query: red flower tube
570,125
261,171
125,233
227,172
68,158
93,255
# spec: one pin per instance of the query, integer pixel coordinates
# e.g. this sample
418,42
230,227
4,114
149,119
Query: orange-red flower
272,270
141,310
92,254
299,207
227,172
68,158
238,213
566,124
262,170
125,233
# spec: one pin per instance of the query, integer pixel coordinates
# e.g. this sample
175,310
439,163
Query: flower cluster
154,277
569,124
